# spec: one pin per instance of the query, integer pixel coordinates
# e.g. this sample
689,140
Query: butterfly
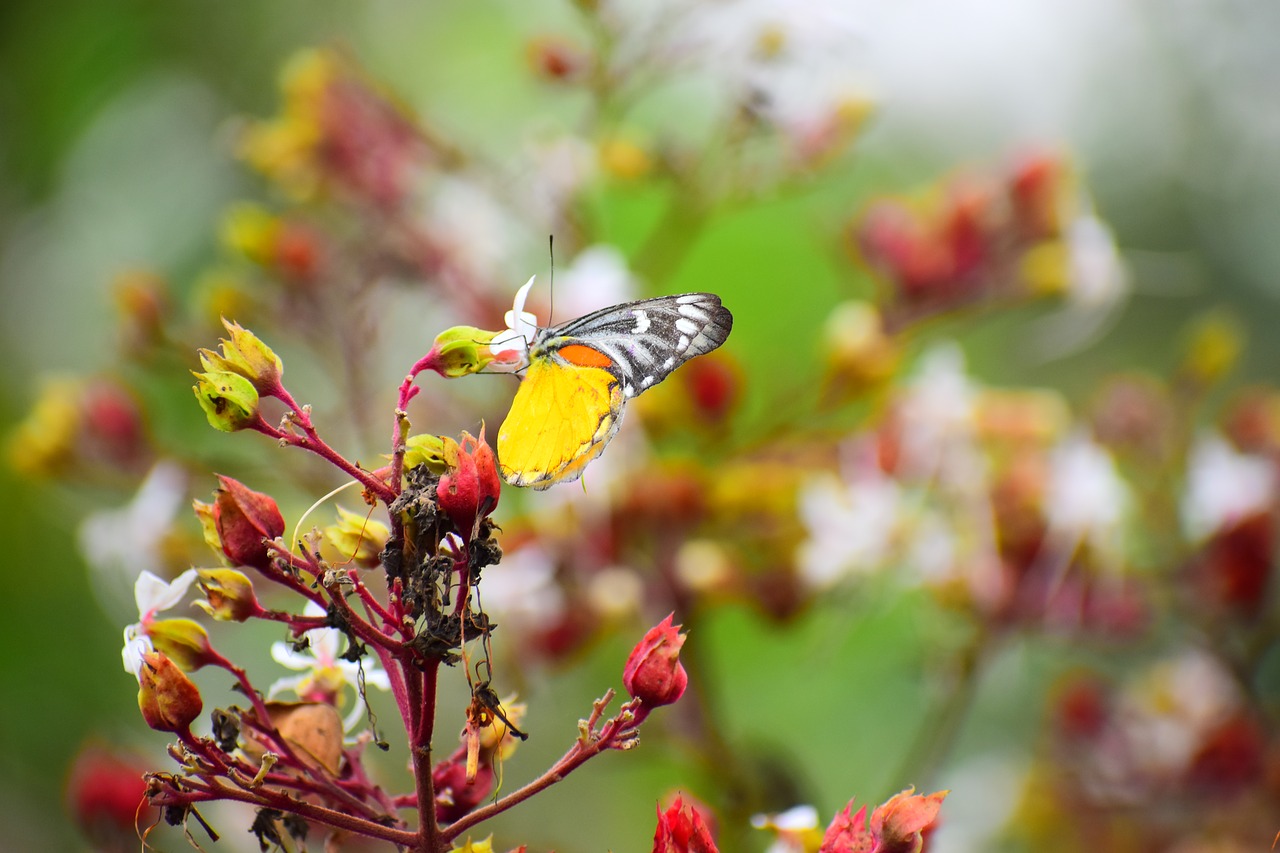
581,374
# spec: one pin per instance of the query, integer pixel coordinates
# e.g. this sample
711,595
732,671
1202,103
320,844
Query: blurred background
810,163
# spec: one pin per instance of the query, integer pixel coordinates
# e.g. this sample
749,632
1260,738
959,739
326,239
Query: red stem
204,791
578,755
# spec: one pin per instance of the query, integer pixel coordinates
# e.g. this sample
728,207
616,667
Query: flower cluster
849,461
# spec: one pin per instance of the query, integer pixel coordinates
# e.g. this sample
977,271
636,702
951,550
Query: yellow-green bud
357,538
229,595
245,354
439,453
184,641
462,350
229,400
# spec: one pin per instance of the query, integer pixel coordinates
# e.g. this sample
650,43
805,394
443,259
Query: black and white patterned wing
648,339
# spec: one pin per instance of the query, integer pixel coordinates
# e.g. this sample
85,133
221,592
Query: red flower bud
104,792
556,59
469,490
848,832
681,829
244,518
487,476
653,673
455,796
169,701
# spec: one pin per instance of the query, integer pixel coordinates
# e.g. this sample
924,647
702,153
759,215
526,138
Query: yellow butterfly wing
562,417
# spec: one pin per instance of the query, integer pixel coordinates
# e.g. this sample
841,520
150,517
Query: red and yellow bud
1038,189
653,673
229,595
357,538
898,824
230,401
209,527
142,299
168,700
455,794
245,519
555,59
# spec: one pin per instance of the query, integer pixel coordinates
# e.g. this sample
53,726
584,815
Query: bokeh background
119,127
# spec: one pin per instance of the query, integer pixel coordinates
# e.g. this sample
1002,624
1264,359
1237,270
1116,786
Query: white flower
117,543
1165,714
325,674
937,417
1098,276
851,522
518,337
152,594
1085,497
1223,486
521,592
794,828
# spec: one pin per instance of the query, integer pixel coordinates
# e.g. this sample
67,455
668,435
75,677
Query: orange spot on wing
584,356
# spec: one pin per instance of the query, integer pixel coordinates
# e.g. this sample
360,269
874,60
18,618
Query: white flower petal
351,720
283,654
377,677
1223,486
325,644
289,682
154,594
519,321
135,646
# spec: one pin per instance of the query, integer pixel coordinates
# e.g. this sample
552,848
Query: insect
582,373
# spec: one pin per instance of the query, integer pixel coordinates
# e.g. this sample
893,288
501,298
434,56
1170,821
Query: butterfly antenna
551,250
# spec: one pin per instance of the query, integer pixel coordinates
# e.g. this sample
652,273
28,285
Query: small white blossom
1098,276
117,543
323,670
521,592
1223,486
152,594
937,418
521,329
851,522
793,828
1085,497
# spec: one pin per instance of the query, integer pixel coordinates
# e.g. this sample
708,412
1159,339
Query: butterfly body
581,375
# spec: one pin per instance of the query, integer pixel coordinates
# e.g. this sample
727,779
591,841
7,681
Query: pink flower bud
469,490
244,518
653,673
104,795
681,829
